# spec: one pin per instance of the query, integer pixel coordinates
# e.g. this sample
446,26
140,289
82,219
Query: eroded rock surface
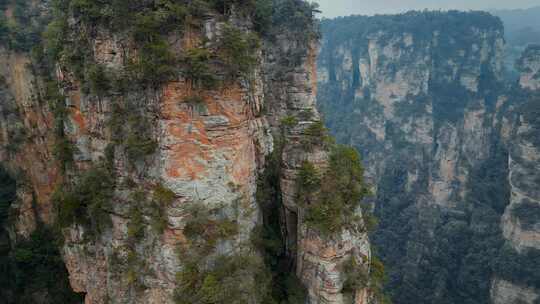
206,145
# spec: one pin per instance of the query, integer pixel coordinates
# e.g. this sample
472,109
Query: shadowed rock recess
451,149
170,151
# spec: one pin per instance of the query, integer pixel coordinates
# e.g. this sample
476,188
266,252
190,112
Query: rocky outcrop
134,162
506,292
529,68
318,259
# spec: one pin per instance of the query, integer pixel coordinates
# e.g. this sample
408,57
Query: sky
334,8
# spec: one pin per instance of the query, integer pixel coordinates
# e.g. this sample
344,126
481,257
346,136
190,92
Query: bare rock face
206,151
529,67
22,119
505,292
209,154
523,164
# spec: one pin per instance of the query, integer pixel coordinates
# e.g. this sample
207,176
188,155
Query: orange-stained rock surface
210,151
33,157
197,137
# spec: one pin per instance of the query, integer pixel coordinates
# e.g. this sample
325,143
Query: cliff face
520,222
207,154
318,259
405,86
421,96
143,146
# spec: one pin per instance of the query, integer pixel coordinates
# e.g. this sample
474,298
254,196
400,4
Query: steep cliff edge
521,220
421,96
143,132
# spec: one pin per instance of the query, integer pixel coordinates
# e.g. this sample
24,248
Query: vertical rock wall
291,93
206,153
521,220
446,144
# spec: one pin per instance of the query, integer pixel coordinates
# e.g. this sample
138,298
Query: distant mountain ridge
522,25
519,18
522,28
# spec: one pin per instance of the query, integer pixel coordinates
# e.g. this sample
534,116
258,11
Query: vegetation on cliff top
332,199
420,24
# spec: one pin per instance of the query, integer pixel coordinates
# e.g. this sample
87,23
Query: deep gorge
449,145
210,151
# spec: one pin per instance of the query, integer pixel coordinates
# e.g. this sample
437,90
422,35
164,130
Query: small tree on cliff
342,188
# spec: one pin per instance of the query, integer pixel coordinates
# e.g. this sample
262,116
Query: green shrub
298,16
359,276
90,11
306,114
136,224
197,68
238,278
166,16
8,187
238,50
4,30
204,228
116,122
163,195
138,147
308,182
521,268
289,121
138,141
356,276
23,29
131,129
97,80
263,15
159,220
77,54
316,135
162,198
87,201
194,99
155,63
17,136
63,150
377,280
35,266
316,129
342,188
296,291
135,270
54,37
197,103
